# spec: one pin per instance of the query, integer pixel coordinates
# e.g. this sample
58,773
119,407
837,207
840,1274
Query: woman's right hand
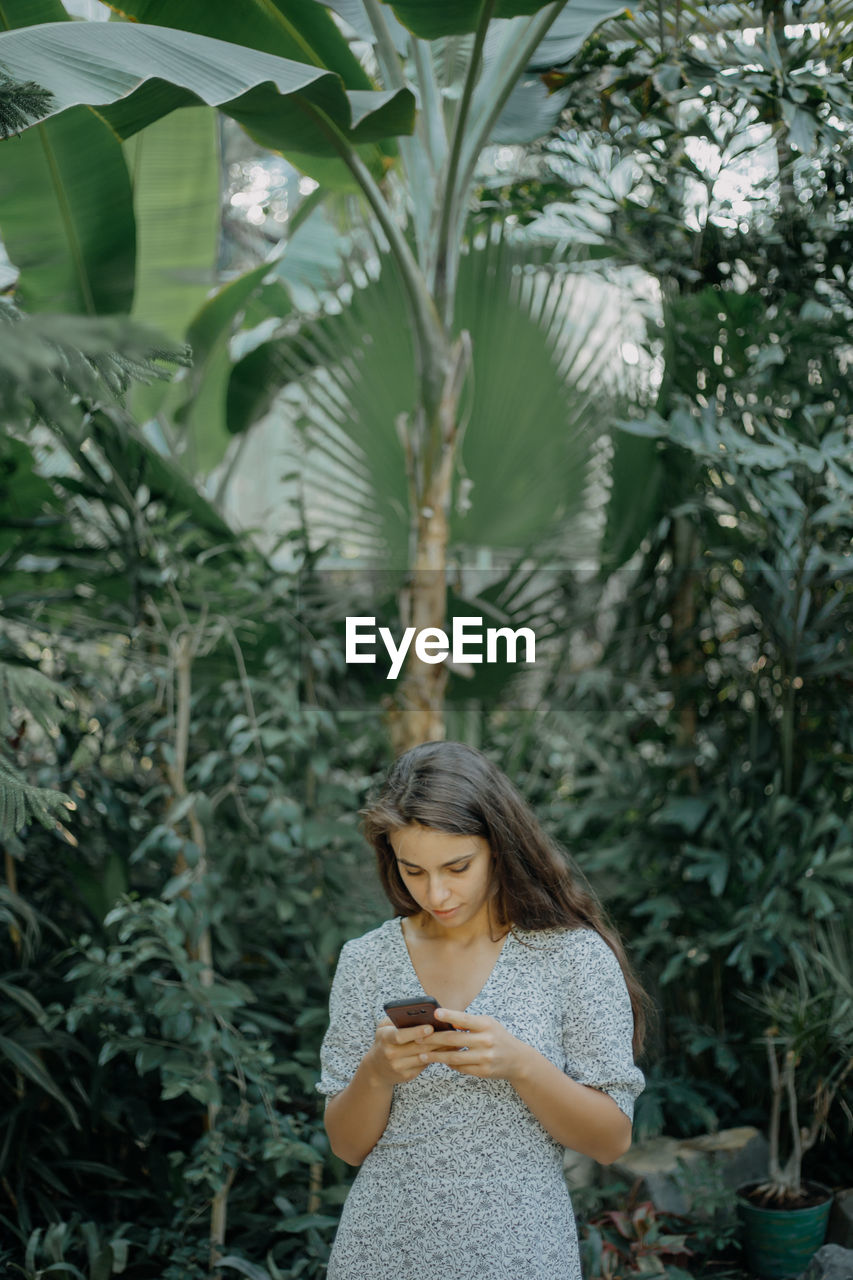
394,1056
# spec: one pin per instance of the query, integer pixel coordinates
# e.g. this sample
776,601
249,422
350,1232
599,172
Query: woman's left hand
480,1046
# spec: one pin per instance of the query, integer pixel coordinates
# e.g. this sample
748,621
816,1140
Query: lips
444,915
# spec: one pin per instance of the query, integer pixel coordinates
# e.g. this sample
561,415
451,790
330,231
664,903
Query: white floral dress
465,1183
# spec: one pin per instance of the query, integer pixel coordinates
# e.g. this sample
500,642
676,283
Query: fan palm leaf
544,351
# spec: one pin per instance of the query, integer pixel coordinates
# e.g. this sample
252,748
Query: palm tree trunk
418,713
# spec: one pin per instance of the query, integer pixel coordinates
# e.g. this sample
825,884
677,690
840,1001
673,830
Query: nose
438,894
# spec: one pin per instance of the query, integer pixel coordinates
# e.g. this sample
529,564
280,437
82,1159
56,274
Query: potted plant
808,1038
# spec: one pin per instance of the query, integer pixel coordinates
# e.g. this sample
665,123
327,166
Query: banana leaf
301,30
430,19
136,74
201,414
66,209
532,108
174,165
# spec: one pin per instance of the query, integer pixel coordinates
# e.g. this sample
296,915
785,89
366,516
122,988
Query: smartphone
413,1013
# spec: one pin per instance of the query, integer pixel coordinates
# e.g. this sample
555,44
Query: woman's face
449,876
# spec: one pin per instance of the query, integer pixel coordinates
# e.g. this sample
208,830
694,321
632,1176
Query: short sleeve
598,1022
352,1024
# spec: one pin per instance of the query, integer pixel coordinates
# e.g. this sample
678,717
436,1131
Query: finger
464,1021
405,1035
451,1040
401,1035
411,1066
455,1058
411,1062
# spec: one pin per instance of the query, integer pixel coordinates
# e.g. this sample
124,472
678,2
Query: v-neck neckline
414,971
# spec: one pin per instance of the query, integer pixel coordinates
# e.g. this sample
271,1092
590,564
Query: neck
483,927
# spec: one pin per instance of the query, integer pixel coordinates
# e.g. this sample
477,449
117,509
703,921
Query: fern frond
21,104
58,365
20,802
28,689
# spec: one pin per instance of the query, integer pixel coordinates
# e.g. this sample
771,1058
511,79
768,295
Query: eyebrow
462,858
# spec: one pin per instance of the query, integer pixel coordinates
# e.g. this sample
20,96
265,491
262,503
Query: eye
410,872
457,871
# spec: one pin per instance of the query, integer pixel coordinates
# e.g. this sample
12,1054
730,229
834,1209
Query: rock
655,1163
830,1263
740,1154
675,1172
840,1230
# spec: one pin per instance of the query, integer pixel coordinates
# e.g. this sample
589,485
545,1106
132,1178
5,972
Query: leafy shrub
169,948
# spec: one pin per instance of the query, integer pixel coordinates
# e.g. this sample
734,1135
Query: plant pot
780,1243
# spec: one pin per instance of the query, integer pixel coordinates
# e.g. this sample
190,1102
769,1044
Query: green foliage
159,1040
25,693
668,109
57,1250
808,1036
167,953
57,368
620,1237
430,21
712,1223
65,200
636,1241
694,751
166,979
26,1031
191,1016
20,802
60,372
300,32
300,108
355,467
175,174
307,109
240,1039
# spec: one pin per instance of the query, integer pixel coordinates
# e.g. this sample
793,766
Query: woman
460,1134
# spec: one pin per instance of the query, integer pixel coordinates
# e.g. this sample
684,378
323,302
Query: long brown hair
456,789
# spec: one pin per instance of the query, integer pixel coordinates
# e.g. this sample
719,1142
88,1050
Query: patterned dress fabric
465,1183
